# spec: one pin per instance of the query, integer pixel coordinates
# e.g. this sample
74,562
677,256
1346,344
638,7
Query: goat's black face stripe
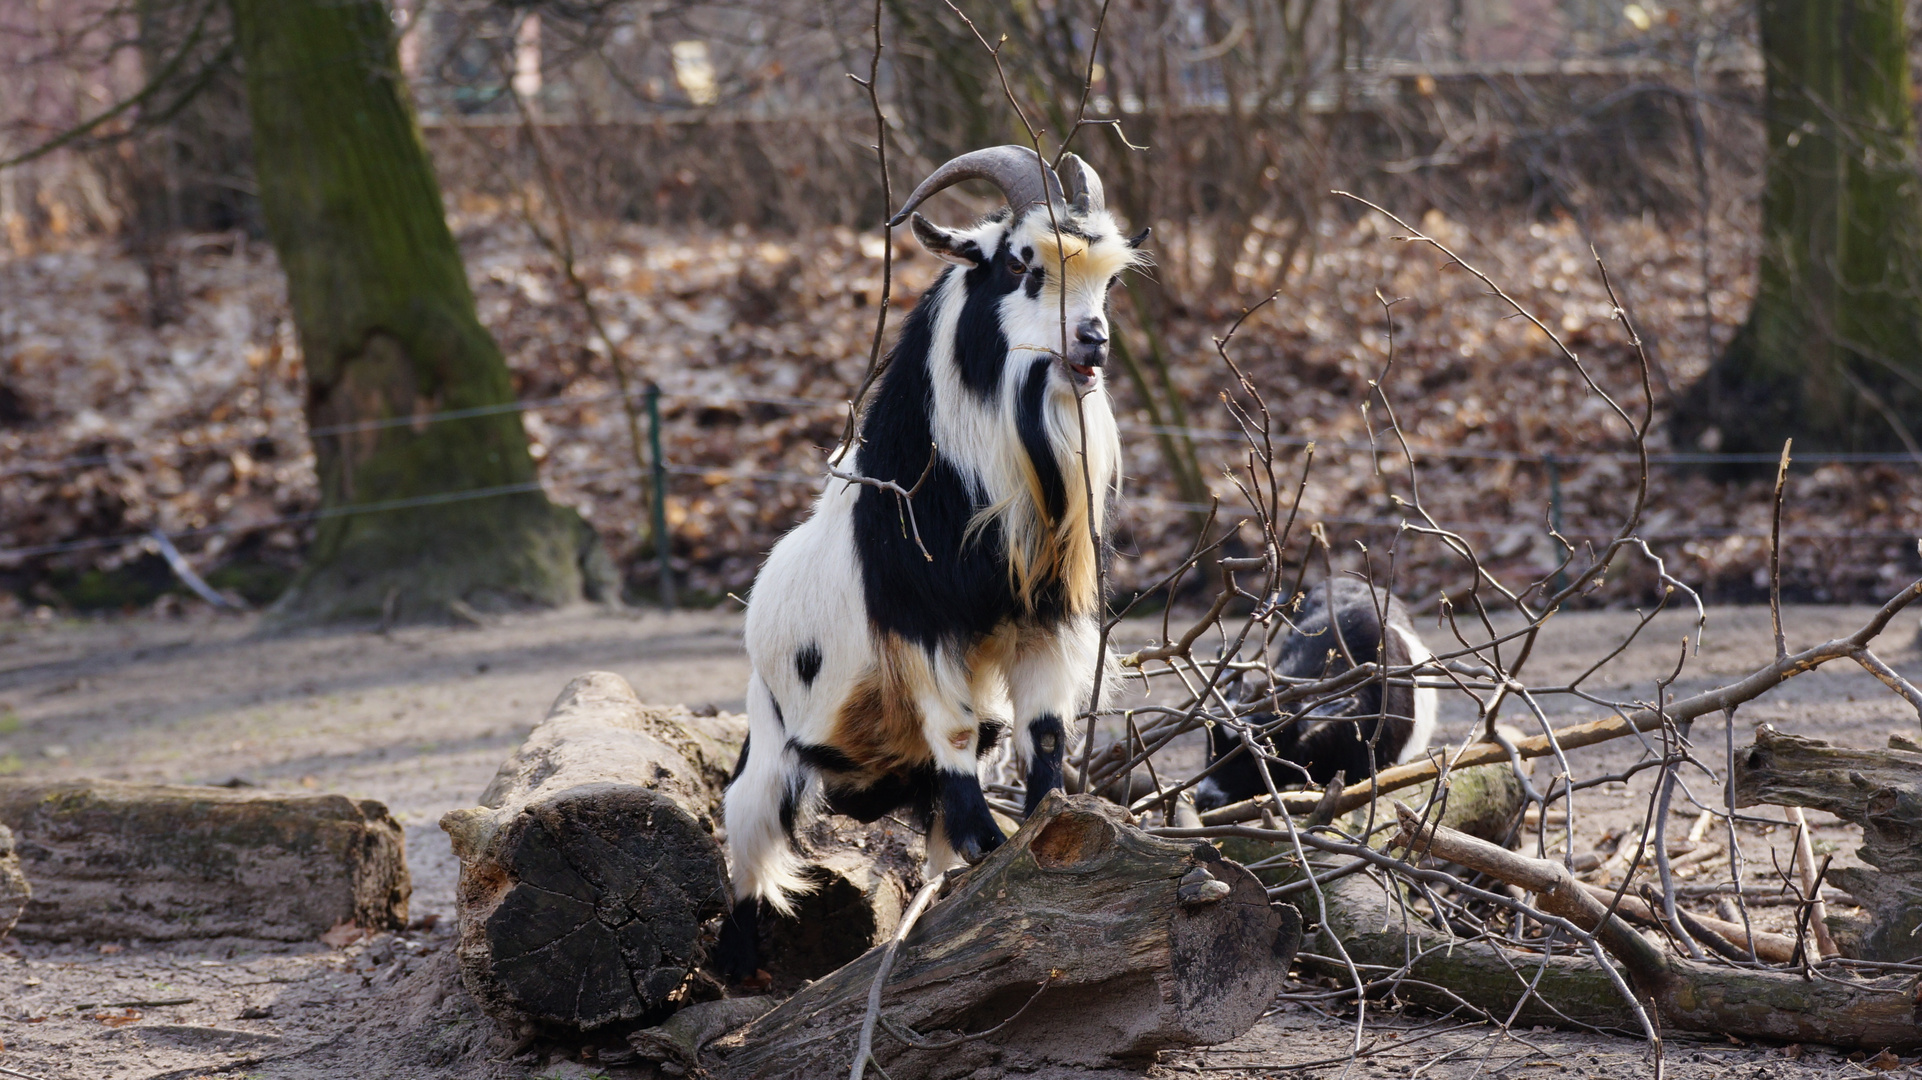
1044,760
980,347
807,663
1034,438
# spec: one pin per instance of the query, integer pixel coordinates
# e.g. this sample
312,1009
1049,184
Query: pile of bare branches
1407,905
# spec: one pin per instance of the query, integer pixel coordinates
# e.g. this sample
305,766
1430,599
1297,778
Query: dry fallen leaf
109,949
342,934
121,1019
1884,1062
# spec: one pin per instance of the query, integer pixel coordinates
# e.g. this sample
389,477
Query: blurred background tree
389,332
1832,350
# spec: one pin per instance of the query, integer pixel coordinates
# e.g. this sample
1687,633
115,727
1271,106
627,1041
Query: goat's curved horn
1084,186
1017,170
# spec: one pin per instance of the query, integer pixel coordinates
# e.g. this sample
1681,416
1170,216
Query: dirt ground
420,717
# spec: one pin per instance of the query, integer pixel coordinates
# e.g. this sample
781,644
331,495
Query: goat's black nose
1091,333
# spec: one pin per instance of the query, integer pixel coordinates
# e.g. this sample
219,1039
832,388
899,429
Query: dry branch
1089,939
166,862
1690,995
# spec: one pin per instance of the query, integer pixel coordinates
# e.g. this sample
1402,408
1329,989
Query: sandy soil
420,717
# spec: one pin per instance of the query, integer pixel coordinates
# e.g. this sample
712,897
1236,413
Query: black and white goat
881,676
1372,728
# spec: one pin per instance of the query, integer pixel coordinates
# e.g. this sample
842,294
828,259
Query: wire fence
718,475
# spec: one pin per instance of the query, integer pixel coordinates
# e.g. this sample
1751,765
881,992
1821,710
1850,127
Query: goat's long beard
1042,550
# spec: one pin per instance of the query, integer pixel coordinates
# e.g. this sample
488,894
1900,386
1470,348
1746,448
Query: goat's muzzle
1088,351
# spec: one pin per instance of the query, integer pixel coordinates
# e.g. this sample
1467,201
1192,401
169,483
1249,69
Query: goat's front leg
964,829
1049,682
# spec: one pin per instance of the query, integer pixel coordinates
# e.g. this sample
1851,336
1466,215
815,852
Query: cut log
1693,996
1880,790
14,890
162,862
1086,940
590,866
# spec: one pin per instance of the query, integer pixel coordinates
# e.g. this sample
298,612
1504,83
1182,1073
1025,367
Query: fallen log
164,862
1080,941
14,890
1880,790
590,866
1689,995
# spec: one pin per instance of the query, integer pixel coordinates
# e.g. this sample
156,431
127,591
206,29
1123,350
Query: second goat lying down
1353,736
893,639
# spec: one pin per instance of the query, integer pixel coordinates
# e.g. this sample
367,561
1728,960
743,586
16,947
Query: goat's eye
1017,267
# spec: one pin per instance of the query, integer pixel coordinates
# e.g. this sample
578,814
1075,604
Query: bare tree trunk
1832,350
417,516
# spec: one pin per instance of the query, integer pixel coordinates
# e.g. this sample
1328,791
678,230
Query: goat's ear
947,244
1140,238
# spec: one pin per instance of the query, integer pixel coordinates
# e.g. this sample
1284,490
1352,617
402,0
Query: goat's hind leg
762,801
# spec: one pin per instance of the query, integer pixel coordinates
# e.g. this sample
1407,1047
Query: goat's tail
768,794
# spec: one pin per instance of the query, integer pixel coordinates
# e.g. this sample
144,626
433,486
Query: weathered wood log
1087,939
1482,800
1689,995
590,866
1880,790
14,890
164,862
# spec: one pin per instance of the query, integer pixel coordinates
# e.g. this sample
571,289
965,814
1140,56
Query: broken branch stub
1090,940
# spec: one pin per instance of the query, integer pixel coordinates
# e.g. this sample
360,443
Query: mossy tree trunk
388,328
1832,350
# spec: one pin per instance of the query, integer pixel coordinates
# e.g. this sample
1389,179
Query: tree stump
165,862
1085,939
14,891
1880,790
590,865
